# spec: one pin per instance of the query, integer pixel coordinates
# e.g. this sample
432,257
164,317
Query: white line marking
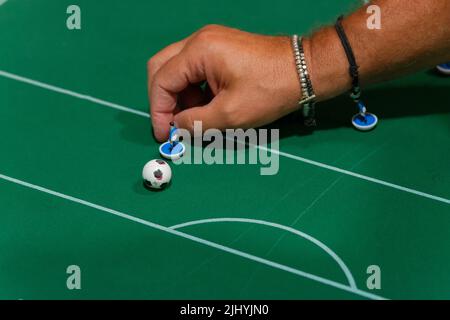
197,239
283,154
2,2
360,176
331,253
72,93
347,172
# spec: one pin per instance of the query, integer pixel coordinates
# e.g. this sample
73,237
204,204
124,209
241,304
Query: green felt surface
94,153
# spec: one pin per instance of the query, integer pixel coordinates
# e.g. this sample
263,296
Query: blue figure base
444,68
172,152
365,122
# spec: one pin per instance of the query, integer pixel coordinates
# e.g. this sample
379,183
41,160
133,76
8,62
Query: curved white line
150,224
331,253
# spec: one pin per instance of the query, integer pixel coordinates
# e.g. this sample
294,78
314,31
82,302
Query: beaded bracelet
308,100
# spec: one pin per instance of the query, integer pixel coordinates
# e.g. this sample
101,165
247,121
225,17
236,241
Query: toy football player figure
362,110
172,149
364,120
173,136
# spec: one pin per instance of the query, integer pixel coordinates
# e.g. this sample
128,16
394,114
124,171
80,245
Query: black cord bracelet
353,69
363,120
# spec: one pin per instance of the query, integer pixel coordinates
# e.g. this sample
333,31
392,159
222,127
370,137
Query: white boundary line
2,2
196,239
284,154
357,175
71,93
321,245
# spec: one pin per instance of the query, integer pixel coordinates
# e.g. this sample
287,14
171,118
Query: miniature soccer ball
157,174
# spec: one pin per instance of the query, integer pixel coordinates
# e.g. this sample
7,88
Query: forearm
254,78
414,35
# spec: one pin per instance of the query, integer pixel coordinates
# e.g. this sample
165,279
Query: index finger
173,77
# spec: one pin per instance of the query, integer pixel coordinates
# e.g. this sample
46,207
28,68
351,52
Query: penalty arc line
291,230
208,243
281,153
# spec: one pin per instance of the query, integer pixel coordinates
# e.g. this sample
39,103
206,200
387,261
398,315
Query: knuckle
152,65
208,39
204,38
210,28
208,33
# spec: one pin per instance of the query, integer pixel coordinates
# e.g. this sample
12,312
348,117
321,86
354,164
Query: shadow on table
386,103
136,129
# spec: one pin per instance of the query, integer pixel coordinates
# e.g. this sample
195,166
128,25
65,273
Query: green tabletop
75,135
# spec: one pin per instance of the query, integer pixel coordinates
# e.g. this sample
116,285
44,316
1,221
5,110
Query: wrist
327,64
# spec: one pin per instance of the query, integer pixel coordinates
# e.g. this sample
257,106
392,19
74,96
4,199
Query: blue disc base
172,152
364,122
444,68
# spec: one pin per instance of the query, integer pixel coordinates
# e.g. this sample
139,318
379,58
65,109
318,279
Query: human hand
252,81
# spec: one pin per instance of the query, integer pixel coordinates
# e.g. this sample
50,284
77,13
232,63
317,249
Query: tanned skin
253,80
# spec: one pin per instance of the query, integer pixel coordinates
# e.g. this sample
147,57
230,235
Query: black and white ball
157,174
